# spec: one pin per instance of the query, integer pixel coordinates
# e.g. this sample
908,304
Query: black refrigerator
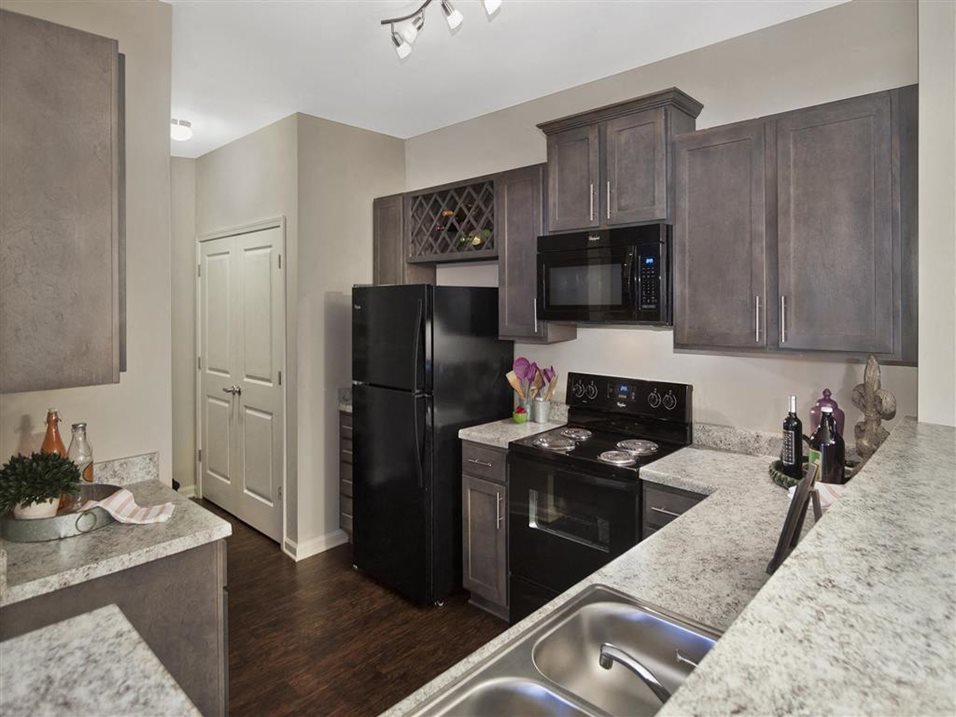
426,361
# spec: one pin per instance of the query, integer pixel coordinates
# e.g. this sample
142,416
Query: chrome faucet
611,654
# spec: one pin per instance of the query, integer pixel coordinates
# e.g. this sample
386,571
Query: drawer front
345,472
345,487
345,448
345,505
662,505
345,432
345,522
484,461
648,532
345,420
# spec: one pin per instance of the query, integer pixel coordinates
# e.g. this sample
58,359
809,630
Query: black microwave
615,276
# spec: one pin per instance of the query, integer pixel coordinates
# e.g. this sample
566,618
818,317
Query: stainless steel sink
556,668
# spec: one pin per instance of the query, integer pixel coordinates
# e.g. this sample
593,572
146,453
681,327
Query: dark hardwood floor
319,638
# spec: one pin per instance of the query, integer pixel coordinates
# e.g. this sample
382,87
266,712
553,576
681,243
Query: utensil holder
540,410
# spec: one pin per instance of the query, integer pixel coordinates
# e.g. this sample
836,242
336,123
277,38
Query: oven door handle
525,483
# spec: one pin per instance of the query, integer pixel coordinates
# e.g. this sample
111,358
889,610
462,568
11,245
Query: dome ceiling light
180,130
405,30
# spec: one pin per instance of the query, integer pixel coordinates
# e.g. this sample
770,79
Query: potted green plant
31,486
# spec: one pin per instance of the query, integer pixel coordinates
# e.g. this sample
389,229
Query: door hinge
280,378
199,362
280,261
199,455
198,269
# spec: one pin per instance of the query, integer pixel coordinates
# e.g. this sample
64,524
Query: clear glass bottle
81,452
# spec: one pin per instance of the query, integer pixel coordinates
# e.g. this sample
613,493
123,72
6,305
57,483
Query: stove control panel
631,396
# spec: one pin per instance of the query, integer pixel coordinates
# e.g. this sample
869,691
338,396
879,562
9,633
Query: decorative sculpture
877,405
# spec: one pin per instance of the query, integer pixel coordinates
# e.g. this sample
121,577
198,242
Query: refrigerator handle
418,445
416,355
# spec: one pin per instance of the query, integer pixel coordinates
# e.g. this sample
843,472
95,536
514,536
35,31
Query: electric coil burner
576,434
574,494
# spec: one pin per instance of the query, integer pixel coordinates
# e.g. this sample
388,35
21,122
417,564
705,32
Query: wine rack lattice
446,224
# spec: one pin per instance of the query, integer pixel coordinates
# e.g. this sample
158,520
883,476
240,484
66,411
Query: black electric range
574,492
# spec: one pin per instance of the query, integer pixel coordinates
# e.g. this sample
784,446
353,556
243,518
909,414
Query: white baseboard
187,491
314,546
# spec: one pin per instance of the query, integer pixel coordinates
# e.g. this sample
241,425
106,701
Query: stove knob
654,399
578,389
592,390
670,401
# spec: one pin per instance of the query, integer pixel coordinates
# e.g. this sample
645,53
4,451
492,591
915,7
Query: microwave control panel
649,280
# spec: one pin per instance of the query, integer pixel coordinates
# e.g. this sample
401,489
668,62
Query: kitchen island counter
94,663
849,613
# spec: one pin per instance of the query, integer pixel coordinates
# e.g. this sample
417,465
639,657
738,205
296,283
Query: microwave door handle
630,280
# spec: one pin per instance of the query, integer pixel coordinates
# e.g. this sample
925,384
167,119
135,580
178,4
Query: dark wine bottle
792,454
829,443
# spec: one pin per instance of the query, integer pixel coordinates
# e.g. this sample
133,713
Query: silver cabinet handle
665,511
609,199
479,462
591,202
783,319
498,514
535,305
756,319
234,390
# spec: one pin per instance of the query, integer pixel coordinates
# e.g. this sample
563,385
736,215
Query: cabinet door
720,238
573,175
635,179
519,205
484,512
60,206
387,235
836,247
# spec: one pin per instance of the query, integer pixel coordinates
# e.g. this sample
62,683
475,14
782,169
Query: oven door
565,524
587,284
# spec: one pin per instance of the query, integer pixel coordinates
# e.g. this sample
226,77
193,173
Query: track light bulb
492,6
411,29
402,48
452,16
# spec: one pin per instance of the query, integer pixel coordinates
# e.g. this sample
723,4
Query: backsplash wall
840,52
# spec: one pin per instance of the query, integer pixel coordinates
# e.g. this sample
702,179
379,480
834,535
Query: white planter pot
36,510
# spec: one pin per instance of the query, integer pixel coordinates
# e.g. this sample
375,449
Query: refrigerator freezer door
391,343
391,481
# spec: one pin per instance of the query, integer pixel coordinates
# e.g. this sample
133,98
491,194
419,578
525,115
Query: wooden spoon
515,384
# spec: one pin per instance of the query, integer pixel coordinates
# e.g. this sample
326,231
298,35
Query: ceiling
239,65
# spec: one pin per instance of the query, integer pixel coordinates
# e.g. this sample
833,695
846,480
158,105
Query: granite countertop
90,664
500,433
706,565
860,615
38,568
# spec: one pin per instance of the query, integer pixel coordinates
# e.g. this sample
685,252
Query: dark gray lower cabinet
720,245
519,206
663,504
797,232
345,473
484,512
178,606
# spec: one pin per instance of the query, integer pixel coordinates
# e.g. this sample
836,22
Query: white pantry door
242,333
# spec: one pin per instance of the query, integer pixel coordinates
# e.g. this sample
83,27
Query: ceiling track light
405,29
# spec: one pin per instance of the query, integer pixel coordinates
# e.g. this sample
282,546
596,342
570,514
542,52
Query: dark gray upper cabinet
837,248
389,254
519,206
61,207
635,184
720,256
573,177
612,165
797,232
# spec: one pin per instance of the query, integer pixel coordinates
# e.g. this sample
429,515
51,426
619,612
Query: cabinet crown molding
672,97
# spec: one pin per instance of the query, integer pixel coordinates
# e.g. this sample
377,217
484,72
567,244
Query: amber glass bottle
52,443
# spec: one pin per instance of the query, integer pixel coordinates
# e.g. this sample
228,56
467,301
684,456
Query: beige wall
134,416
840,52
341,169
247,181
183,305
937,212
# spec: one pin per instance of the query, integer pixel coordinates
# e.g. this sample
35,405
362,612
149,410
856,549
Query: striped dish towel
122,506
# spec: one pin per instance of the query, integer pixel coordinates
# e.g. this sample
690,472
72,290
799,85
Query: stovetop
586,452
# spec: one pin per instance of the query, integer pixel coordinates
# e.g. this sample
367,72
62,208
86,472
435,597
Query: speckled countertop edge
95,663
37,568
